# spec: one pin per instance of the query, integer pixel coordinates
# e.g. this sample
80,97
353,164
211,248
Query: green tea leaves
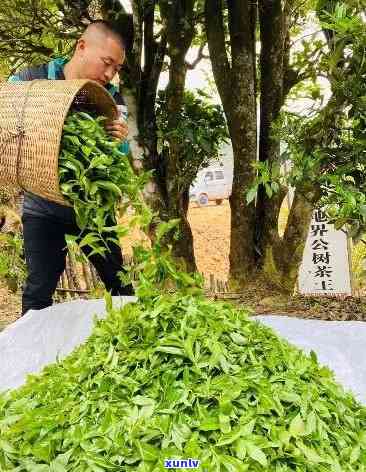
297,426
94,176
150,384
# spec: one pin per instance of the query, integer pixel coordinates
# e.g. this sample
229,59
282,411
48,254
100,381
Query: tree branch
200,56
239,27
136,52
214,22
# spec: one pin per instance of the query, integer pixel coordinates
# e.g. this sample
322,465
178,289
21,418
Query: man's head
99,53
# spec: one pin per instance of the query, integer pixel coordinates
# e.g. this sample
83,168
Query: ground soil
9,305
211,230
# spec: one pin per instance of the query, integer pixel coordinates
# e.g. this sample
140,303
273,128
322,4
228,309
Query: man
99,55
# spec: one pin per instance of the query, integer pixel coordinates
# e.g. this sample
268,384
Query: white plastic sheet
340,345
41,337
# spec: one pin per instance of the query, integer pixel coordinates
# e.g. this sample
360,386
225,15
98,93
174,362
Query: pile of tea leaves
180,377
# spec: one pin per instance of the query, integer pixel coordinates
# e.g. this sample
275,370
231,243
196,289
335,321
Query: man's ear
80,45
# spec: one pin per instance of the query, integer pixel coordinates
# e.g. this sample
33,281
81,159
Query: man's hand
117,129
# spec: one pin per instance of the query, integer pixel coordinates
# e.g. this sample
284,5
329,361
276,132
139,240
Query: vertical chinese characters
321,252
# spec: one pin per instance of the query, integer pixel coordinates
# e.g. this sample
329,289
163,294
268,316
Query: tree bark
277,258
240,111
272,33
178,16
163,193
73,270
283,256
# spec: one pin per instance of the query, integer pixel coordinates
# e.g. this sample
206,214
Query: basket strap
19,132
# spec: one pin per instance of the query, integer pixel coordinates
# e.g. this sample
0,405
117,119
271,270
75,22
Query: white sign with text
325,268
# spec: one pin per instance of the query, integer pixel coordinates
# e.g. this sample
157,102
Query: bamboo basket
32,115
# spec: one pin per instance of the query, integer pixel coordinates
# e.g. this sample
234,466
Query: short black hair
116,31
107,27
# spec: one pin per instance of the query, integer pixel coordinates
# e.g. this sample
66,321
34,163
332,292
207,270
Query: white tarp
340,345
40,337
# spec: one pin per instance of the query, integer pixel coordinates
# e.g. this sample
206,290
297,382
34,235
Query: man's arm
124,146
117,128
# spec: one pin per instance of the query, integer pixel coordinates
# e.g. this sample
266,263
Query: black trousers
45,255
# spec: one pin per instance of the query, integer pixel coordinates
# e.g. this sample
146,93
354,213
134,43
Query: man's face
100,58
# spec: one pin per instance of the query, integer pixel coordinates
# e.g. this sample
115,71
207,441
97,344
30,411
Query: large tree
234,69
255,243
243,79
278,257
164,30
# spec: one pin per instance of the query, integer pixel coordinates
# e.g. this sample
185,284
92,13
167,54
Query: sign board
325,268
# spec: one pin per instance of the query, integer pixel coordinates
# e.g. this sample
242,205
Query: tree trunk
282,256
73,270
163,193
272,33
139,92
277,258
178,17
240,111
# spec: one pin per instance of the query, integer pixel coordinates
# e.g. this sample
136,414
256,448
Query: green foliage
359,267
327,149
156,270
12,264
94,177
178,376
330,148
32,32
200,131
268,175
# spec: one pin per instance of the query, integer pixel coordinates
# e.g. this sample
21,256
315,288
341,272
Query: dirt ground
9,306
211,231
